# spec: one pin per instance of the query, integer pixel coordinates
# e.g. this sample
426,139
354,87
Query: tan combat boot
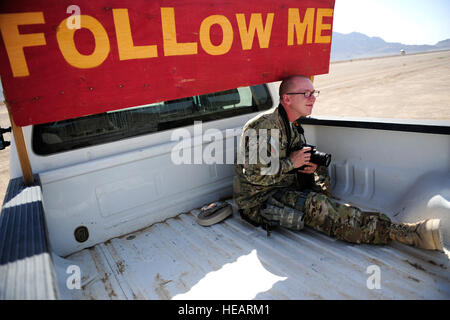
423,234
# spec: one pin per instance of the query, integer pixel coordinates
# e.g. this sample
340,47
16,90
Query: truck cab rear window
72,134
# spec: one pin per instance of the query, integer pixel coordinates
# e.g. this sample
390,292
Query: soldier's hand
310,168
301,157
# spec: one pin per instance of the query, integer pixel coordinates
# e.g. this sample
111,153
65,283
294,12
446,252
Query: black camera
317,157
304,180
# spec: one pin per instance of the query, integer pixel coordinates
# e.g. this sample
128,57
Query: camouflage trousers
323,214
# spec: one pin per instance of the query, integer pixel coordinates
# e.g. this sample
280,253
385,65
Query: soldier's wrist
287,165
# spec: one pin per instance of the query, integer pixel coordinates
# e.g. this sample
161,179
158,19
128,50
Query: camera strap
299,128
287,126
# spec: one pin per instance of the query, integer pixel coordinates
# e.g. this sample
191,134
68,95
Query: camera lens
321,158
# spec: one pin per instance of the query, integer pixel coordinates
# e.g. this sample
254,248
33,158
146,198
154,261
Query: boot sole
434,226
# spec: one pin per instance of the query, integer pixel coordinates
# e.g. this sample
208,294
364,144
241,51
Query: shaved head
288,83
292,96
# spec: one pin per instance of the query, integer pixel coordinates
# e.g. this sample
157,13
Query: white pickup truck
111,215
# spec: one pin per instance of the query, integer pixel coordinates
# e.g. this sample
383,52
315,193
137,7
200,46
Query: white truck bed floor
179,259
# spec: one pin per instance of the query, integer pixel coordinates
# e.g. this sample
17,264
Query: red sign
62,59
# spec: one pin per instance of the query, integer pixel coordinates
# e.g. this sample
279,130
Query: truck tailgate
179,259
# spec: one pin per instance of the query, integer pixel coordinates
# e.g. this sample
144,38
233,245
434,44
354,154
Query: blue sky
405,21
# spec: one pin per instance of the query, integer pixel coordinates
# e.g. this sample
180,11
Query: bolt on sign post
60,59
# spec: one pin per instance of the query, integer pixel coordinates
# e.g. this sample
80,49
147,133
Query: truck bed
179,259
172,257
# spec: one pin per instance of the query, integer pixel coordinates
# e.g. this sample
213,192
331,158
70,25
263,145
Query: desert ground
403,87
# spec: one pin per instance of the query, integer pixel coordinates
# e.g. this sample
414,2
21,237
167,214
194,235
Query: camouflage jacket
251,186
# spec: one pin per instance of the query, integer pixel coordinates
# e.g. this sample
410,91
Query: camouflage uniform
280,199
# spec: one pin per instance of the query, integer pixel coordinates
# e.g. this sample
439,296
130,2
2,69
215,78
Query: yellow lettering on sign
205,37
171,46
322,12
15,42
127,49
66,43
256,24
300,27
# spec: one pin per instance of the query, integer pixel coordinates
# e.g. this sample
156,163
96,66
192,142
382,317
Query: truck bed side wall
116,188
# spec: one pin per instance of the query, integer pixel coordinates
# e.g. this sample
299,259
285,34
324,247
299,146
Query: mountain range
356,45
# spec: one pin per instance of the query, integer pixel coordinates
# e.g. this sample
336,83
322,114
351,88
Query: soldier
281,199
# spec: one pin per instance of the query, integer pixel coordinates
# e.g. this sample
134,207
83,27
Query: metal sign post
21,148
